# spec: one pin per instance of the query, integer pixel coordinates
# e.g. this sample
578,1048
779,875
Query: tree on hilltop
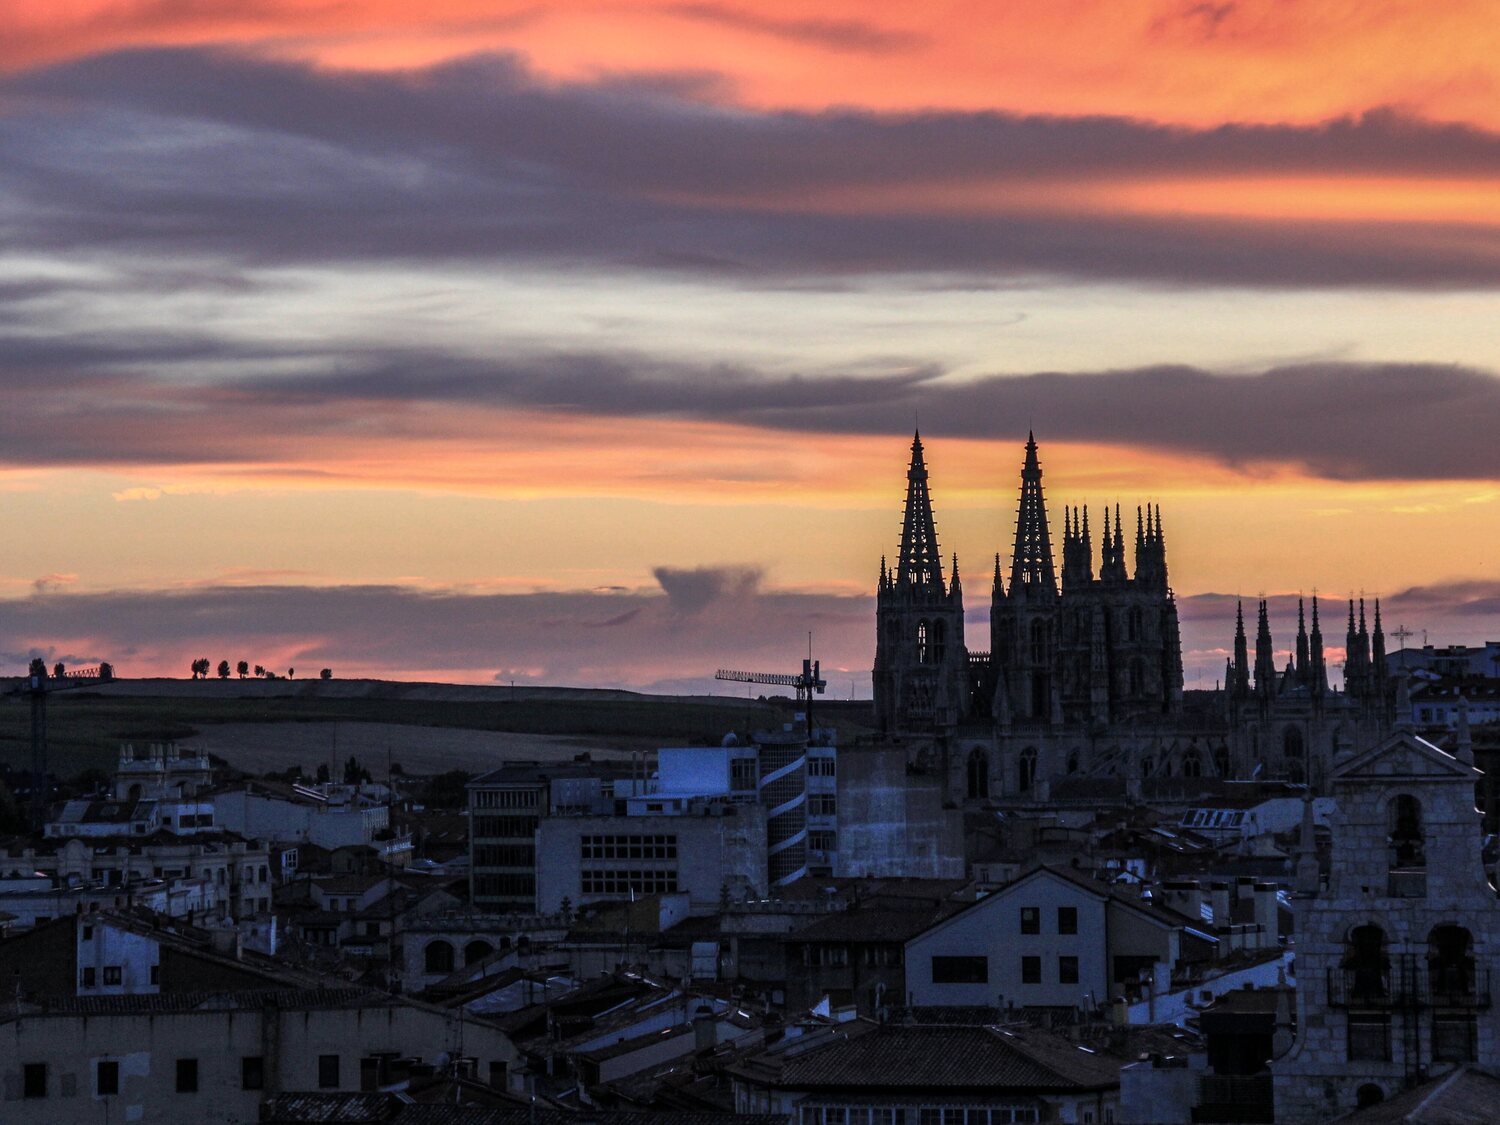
243,668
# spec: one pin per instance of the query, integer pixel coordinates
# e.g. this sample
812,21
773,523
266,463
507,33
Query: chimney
1265,914
705,1037
1220,898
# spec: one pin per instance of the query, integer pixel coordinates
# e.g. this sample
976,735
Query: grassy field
85,728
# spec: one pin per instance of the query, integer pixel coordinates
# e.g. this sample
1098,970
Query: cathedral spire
998,589
921,563
1031,572
1319,677
1265,656
1378,671
1303,667
955,585
1241,685
1088,546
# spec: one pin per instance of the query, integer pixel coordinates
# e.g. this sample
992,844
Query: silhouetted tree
326,674
223,669
38,667
354,773
106,671
58,670
259,672
322,771
243,668
201,668
291,673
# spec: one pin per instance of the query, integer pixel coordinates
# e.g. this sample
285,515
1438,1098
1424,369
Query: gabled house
1051,939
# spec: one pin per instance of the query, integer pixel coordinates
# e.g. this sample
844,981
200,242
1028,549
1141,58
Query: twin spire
1032,574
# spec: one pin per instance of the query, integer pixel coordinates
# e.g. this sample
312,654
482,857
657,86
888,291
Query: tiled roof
250,999
331,1109
947,1058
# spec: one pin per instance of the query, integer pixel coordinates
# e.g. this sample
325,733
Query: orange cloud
1195,61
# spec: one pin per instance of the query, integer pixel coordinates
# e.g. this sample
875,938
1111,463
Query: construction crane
36,687
808,681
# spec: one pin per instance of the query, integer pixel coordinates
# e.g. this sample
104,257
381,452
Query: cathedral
1083,676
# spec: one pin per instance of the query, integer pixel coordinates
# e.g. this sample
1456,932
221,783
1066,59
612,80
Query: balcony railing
1407,984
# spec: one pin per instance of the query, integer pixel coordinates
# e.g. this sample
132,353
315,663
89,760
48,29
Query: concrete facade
711,847
894,823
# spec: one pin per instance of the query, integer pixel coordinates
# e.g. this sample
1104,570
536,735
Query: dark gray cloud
141,400
634,639
192,152
691,590
584,638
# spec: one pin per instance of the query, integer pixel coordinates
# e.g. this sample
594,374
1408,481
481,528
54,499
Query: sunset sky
582,343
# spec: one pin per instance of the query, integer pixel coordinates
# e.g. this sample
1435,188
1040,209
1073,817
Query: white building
1051,939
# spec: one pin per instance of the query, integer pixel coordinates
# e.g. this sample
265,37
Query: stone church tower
1099,651
1394,955
921,664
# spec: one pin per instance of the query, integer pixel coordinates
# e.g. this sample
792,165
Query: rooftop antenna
1401,632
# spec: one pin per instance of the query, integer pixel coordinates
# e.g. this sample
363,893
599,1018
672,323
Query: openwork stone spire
921,563
1031,572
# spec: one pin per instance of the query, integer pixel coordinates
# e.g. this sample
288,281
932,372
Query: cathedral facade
1083,676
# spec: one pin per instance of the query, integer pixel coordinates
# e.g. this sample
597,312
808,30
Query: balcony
1409,985
1459,989
1371,988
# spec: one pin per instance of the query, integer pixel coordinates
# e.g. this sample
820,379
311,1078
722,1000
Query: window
1067,970
1067,919
1369,1036
978,770
1031,970
438,957
187,1076
744,773
34,1080
88,933
1031,919
252,1073
625,881
155,974
90,976
923,653
106,1078
1454,1038
1026,769
629,847
328,1072
960,970
112,974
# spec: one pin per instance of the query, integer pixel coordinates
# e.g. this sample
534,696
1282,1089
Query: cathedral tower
921,664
